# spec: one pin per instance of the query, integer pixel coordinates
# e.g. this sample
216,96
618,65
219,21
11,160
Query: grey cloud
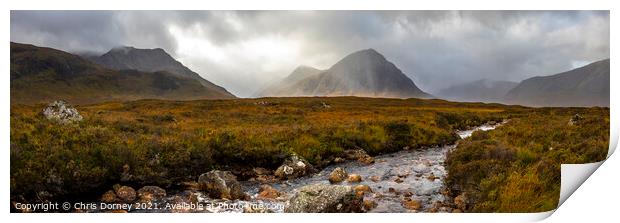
435,48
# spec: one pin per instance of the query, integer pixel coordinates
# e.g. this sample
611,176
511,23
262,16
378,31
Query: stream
420,174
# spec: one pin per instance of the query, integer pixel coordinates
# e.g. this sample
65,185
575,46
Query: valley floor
163,143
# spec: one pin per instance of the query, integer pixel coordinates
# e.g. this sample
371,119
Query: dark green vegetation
165,142
516,167
40,75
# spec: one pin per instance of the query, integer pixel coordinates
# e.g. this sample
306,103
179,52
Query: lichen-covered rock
320,198
337,175
293,167
221,185
150,193
61,112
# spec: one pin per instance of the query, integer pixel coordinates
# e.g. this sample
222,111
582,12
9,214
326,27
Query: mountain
286,85
477,91
152,60
40,75
582,87
364,73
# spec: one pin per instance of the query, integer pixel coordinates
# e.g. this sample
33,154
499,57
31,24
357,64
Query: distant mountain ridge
40,75
364,73
581,87
483,90
152,60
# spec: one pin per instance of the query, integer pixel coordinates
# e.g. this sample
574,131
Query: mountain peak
303,69
367,54
130,49
364,73
151,60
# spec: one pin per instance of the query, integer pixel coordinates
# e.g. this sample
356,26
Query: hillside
40,75
152,60
582,87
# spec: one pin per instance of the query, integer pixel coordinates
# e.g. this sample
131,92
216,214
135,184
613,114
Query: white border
602,201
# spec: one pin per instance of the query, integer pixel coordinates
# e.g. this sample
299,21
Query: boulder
150,193
354,178
320,198
359,155
125,193
293,167
62,112
221,185
266,192
337,175
575,119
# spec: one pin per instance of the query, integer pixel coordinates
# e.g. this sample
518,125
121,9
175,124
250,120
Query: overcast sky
245,50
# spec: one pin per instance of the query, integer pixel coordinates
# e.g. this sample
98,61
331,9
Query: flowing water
417,173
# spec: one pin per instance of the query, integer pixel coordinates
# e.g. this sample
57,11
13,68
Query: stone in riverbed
432,177
320,198
359,155
411,204
221,185
125,193
374,178
293,167
361,190
407,193
354,178
266,192
150,193
337,175
369,205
